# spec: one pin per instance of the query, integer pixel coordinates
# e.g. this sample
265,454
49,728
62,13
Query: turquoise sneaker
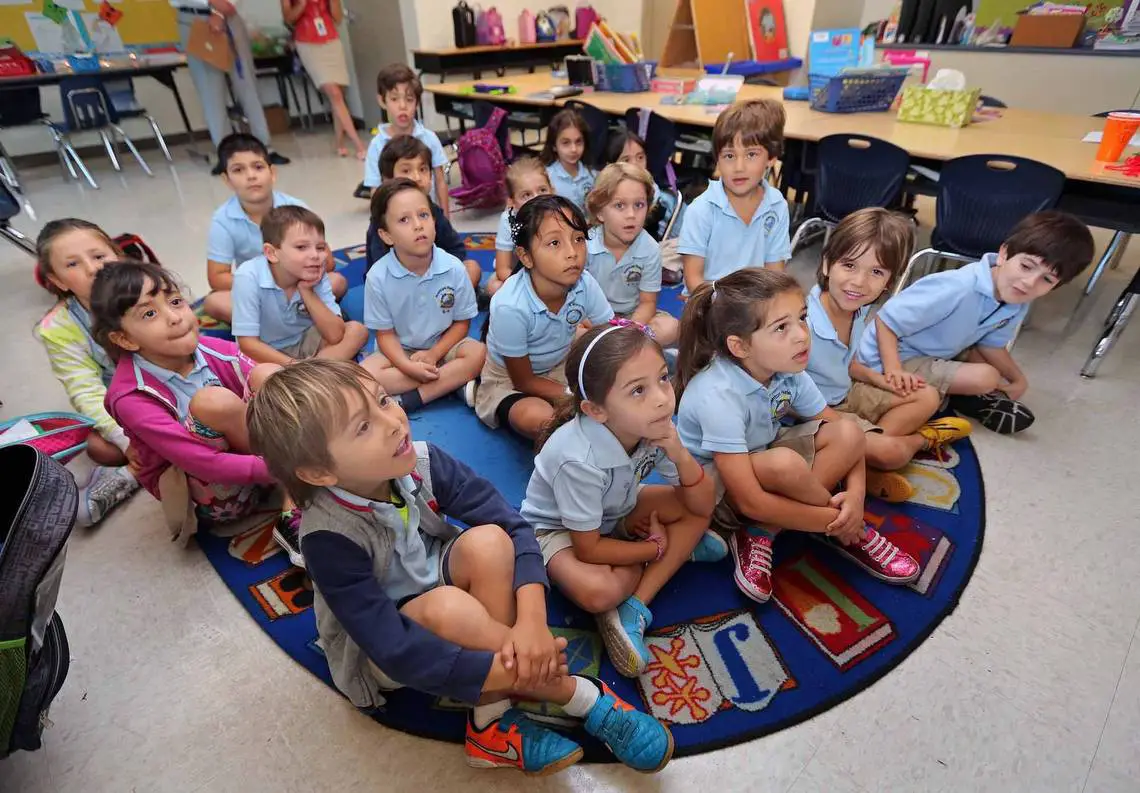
637,739
514,741
711,548
623,633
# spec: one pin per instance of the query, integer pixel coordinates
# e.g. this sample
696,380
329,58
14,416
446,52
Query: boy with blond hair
405,598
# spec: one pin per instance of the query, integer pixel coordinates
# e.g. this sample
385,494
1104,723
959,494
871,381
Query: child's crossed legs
839,445
461,365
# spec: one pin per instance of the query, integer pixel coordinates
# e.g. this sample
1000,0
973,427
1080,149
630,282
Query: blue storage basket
624,78
855,93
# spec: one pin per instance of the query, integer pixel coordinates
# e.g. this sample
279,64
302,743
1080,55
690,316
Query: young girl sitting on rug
526,178
180,398
622,255
69,253
609,542
861,259
536,315
744,347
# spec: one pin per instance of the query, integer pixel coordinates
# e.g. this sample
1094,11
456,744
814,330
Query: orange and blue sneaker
514,741
636,739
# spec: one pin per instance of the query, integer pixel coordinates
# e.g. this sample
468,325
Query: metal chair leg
65,163
131,145
914,259
1111,333
75,158
110,147
1102,263
16,238
1120,252
801,232
159,138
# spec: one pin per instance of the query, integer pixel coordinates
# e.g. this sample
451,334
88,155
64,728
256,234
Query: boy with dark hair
406,157
283,304
741,220
235,230
403,597
951,329
398,90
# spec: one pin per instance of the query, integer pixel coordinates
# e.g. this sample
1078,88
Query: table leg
167,79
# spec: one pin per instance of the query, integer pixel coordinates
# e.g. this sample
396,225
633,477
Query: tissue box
922,105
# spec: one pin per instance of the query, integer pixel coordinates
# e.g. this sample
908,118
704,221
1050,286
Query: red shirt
315,26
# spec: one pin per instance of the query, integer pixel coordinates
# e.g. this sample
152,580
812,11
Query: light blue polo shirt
380,140
503,239
234,238
418,307
521,325
414,565
574,188
714,231
262,309
943,314
724,409
830,358
182,387
584,480
623,281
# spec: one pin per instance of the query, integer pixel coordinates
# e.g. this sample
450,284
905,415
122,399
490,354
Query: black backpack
463,21
37,511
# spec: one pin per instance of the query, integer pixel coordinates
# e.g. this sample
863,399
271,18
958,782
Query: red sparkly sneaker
753,556
880,557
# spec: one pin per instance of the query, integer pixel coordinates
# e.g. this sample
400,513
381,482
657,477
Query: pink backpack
526,27
482,166
584,16
489,27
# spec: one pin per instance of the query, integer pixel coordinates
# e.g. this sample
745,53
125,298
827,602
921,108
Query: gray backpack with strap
37,511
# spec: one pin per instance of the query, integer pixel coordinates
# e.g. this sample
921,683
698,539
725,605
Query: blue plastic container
855,93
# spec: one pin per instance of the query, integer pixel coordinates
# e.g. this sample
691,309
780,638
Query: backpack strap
492,126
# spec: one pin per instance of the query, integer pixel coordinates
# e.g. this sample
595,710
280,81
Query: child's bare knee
848,434
375,364
212,403
779,466
260,373
356,332
473,351
489,542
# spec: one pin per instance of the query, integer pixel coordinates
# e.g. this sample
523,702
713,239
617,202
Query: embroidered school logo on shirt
574,313
446,298
633,274
645,465
781,405
769,222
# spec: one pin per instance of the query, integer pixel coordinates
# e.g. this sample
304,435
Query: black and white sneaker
107,487
286,533
995,411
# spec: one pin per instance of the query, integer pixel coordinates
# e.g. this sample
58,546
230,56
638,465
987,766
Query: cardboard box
1061,31
277,118
922,105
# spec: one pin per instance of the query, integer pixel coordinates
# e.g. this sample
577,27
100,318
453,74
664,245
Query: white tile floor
1032,685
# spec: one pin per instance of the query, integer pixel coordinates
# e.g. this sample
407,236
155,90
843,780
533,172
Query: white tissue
948,80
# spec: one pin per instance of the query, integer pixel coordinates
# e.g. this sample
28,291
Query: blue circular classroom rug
725,669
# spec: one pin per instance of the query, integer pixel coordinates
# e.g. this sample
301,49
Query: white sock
586,694
483,715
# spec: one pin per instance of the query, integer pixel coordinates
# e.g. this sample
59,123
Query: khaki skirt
325,63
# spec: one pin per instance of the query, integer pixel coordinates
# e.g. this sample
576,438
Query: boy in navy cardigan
405,598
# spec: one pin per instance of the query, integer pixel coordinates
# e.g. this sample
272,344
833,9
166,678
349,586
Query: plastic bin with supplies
624,78
857,90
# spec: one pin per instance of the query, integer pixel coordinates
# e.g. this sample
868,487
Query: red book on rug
924,542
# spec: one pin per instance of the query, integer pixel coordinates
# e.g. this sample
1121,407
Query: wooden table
1051,138
476,60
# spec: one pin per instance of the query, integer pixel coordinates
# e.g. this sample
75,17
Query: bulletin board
143,21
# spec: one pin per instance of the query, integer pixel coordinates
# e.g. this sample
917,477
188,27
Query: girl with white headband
609,542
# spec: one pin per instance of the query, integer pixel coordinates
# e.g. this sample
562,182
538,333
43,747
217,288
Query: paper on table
47,34
1095,137
104,37
20,431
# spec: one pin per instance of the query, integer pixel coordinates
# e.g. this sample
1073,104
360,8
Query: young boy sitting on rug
405,598
235,231
408,158
951,329
283,304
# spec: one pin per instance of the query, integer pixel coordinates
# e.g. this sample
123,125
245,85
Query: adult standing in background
210,83
322,54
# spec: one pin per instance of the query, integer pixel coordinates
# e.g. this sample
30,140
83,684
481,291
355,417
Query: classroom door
377,40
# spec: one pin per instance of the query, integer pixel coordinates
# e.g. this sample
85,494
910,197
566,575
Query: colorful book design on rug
285,594
924,542
933,479
710,665
843,624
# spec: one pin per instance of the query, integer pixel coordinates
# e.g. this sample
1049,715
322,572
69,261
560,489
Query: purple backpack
482,166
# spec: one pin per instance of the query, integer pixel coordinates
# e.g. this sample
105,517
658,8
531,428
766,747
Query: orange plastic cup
1118,131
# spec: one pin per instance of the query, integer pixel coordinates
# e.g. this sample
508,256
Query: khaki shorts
937,372
449,356
309,345
800,438
867,404
495,385
551,541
